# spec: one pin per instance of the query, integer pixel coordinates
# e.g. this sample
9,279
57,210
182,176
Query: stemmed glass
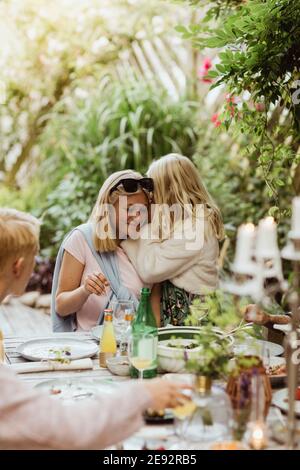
142,351
183,411
120,309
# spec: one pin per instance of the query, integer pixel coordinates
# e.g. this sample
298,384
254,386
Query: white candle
296,215
266,242
244,249
258,436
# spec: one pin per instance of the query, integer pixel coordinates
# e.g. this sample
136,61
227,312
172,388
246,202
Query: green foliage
213,359
223,313
258,62
120,126
228,163
217,8
47,47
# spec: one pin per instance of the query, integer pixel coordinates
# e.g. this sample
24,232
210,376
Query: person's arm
155,302
158,260
70,295
253,313
30,420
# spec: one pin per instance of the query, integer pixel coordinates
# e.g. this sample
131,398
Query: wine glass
120,309
182,412
142,351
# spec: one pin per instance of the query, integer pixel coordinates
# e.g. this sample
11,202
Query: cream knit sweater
188,261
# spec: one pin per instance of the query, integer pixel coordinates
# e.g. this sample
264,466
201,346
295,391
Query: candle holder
257,260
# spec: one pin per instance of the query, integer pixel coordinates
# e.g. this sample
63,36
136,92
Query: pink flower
230,98
259,107
203,69
207,63
215,120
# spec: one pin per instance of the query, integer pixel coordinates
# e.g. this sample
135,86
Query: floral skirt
174,304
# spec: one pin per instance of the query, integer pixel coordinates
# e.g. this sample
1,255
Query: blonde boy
29,420
19,244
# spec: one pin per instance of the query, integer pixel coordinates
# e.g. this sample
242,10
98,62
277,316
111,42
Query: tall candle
266,242
296,215
244,249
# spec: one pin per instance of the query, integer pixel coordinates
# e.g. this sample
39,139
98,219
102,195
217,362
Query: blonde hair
177,181
19,234
100,213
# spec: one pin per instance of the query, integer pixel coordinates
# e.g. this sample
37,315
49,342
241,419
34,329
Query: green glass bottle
145,323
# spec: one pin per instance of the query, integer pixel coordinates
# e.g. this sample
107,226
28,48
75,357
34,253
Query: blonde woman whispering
182,259
91,268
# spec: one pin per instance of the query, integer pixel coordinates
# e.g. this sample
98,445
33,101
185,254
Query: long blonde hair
100,214
177,181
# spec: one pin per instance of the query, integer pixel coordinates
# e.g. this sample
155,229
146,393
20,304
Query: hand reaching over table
255,314
166,394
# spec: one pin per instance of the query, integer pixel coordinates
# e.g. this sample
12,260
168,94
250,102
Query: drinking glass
142,352
184,411
120,308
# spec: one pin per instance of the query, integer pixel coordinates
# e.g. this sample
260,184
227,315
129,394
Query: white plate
96,332
280,400
76,389
285,328
66,347
259,347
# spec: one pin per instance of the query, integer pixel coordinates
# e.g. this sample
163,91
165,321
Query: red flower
230,98
260,107
207,63
230,106
203,69
215,120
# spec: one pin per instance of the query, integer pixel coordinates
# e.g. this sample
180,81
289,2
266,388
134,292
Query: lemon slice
183,411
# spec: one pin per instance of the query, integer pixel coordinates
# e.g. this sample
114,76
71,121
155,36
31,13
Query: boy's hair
19,234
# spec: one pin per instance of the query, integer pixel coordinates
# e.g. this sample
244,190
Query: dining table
150,436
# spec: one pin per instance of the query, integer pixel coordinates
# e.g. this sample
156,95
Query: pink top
88,315
32,420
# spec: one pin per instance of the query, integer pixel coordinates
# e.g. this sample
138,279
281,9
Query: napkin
46,366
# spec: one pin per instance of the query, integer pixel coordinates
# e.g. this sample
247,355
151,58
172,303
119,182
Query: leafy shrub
258,61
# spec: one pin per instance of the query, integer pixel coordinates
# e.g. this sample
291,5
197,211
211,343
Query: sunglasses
132,185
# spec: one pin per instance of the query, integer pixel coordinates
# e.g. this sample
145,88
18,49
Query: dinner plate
253,346
96,332
280,399
76,389
57,348
285,328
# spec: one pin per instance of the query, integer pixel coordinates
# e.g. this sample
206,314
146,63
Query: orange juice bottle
108,344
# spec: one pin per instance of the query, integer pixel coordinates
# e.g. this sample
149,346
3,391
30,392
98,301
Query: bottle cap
108,314
128,316
145,291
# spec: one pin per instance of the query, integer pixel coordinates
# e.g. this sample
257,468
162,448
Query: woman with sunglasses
183,259
92,269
